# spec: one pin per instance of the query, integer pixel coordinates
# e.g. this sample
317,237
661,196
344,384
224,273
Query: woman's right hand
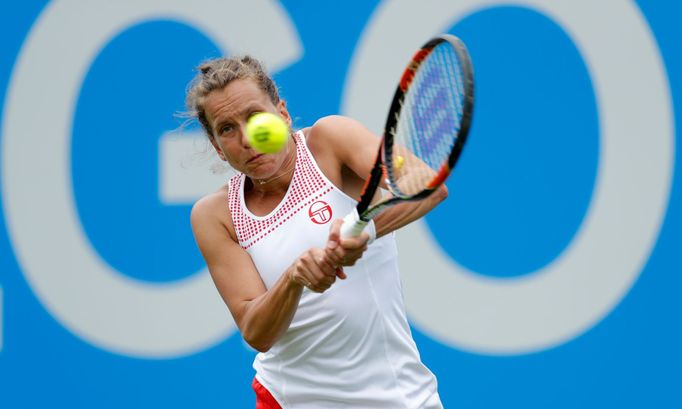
314,270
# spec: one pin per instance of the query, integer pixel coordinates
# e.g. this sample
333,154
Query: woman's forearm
402,214
267,317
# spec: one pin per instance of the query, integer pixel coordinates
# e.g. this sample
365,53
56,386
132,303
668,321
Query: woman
325,313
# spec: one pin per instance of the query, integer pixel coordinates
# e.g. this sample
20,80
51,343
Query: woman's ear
284,112
218,149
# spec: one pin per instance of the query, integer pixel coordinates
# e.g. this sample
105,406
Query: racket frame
383,166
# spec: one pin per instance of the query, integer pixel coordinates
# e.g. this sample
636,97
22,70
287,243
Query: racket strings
430,120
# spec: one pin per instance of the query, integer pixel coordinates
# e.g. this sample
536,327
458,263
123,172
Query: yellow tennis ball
399,162
266,132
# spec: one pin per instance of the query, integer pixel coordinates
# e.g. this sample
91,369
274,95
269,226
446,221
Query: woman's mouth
255,157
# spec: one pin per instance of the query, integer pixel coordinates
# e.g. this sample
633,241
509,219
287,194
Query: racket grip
352,225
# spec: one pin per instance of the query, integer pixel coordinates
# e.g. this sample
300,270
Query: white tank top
351,346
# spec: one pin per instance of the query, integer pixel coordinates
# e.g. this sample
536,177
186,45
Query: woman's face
227,111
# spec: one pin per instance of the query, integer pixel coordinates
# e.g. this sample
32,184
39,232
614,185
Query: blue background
520,199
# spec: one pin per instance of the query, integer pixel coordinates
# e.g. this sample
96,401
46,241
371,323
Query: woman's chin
263,172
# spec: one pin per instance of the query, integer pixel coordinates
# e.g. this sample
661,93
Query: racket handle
352,225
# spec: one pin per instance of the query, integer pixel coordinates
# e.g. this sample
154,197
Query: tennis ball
266,132
399,162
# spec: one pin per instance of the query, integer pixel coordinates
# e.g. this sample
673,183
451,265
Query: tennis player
325,313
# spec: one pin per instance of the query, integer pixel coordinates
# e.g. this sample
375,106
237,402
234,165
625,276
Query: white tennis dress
351,346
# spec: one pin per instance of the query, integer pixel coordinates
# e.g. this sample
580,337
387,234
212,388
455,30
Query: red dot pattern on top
307,186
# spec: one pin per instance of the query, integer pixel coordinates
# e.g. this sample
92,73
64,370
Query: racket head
429,118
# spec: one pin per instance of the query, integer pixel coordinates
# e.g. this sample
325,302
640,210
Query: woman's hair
216,74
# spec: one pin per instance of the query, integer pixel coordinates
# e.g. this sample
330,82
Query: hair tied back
205,68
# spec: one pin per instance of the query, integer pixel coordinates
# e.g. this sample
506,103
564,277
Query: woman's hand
314,270
344,251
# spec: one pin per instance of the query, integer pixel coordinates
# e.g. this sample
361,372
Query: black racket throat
371,186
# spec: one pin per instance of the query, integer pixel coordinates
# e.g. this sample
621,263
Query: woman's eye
226,129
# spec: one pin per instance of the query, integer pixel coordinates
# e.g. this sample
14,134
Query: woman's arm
262,315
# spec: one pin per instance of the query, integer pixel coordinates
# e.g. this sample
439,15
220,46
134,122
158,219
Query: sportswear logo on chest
320,212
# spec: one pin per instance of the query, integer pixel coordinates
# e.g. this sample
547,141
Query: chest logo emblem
320,212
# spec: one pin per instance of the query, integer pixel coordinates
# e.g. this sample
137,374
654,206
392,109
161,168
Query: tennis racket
425,131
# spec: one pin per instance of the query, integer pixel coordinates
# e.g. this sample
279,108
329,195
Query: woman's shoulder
212,199
211,209
328,132
330,125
